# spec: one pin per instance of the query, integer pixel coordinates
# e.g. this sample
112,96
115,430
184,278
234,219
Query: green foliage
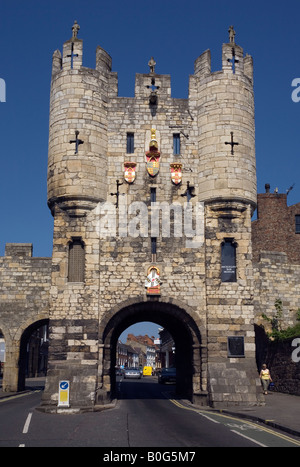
277,333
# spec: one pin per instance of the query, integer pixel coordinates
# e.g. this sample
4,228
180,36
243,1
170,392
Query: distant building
122,356
277,227
167,349
146,346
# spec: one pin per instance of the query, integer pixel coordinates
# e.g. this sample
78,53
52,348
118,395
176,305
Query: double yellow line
229,417
9,398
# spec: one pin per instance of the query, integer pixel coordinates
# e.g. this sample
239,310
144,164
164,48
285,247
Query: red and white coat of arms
129,171
176,173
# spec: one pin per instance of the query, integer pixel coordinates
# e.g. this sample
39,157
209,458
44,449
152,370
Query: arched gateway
190,351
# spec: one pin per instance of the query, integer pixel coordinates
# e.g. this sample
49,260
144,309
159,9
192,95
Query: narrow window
153,239
153,195
76,261
130,143
228,260
153,249
297,223
176,143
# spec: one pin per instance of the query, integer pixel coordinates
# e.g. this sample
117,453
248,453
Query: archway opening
33,360
138,346
179,325
261,346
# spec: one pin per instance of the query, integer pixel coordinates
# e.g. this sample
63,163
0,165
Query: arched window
228,260
76,260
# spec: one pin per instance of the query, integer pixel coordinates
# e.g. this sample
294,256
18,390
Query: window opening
228,260
176,143
76,261
130,143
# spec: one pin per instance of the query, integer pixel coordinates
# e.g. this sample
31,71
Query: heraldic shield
176,173
152,164
129,171
153,155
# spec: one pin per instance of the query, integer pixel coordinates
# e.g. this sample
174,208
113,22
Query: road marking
208,418
5,399
248,437
245,422
9,398
27,423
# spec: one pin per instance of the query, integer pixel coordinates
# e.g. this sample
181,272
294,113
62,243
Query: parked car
132,373
167,375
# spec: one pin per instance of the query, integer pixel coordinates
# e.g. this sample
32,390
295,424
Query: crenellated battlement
233,63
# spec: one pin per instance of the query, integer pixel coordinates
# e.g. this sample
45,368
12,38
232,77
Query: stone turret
223,103
77,158
225,110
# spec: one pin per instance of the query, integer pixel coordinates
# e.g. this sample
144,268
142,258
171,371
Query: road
146,415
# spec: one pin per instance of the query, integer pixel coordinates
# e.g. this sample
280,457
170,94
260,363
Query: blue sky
132,31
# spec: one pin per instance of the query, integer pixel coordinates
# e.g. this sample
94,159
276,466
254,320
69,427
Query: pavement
281,411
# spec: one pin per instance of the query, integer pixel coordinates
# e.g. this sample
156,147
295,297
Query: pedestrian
265,377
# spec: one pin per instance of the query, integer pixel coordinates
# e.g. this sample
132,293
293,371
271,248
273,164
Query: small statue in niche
153,155
153,282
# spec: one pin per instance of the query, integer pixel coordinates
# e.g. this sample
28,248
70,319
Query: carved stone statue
152,64
231,32
75,29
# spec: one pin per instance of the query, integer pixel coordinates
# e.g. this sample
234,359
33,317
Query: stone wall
230,306
284,371
24,300
276,278
275,229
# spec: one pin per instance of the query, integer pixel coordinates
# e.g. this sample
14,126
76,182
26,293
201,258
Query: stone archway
185,329
15,336
23,344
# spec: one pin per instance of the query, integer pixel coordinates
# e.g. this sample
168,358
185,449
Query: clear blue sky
175,33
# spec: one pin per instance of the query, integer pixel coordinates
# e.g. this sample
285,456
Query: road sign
64,394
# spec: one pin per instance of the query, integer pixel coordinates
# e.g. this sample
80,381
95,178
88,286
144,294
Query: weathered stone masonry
24,299
88,129
222,177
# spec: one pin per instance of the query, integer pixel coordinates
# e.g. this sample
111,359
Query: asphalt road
146,415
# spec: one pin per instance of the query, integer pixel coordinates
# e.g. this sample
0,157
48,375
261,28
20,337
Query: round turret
225,108
77,158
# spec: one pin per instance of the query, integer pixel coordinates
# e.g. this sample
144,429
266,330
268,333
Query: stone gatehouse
152,199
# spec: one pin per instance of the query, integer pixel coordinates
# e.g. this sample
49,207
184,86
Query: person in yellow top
265,377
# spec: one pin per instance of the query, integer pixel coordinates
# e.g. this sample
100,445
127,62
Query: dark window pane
153,245
228,261
153,195
130,143
176,143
